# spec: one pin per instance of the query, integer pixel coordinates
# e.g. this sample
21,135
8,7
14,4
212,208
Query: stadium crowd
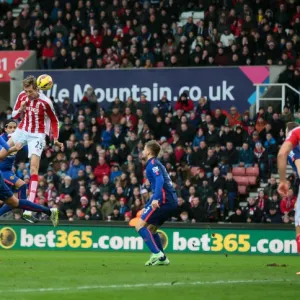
100,176
128,33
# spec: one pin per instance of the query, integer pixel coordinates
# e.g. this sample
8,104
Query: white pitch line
138,285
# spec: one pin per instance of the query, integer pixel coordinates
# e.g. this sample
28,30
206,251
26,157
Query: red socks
298,243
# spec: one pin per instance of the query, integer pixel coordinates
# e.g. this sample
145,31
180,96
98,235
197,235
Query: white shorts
297,210
36,141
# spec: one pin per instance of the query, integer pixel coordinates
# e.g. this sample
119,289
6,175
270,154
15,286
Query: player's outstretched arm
4,144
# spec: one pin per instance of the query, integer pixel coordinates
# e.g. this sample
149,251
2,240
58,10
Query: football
44,82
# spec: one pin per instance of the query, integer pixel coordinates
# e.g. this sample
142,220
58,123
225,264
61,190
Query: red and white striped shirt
294,136
39,115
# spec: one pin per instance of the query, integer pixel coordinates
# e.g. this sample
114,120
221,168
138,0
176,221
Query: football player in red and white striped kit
38,118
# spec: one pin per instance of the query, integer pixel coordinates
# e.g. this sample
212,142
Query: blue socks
22,192
22,195
27,205
157,240
4,144
148,239
5,209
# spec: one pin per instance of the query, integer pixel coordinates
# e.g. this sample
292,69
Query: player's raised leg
8,197
14,202
35,149
20,186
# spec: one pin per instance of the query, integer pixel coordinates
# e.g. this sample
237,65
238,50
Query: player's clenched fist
23,106
59,144
155,204
283,188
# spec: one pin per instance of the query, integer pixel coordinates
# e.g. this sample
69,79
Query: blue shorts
159,215
10,178
5,191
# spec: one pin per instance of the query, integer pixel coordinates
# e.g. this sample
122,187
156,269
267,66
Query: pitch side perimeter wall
224,86
187,238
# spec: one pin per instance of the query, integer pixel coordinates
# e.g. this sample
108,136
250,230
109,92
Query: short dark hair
291,125
153,147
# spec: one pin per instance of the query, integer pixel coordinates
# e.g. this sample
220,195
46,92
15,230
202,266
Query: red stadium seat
241,180
194,170
238,171
252,180
242,189
160,64
252,171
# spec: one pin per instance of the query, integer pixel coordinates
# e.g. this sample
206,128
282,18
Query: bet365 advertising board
237,241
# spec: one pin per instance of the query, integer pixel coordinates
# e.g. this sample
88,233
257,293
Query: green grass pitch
63,275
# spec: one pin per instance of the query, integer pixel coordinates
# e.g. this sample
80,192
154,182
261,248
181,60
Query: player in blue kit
6,165
7,196
159,208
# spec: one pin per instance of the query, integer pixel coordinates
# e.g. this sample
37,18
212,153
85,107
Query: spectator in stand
246,156
232,189
210,208
271,188
107,135
252,212
271,149
197,211
219,118
231,154
101,170
198,138
233,118
287,204
237,217
286,116
273,202
217,181
75,168
164,106
203,106
184,103
273,216
261,161
222,204
262,200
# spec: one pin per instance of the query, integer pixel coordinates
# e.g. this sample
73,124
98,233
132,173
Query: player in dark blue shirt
293,156
161,206
7,196
12,181
6,165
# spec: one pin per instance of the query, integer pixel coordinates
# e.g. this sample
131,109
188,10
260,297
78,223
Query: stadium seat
184,16
252,171
242,190
198,15
298,63
241,180
194,170
252,180
238,171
